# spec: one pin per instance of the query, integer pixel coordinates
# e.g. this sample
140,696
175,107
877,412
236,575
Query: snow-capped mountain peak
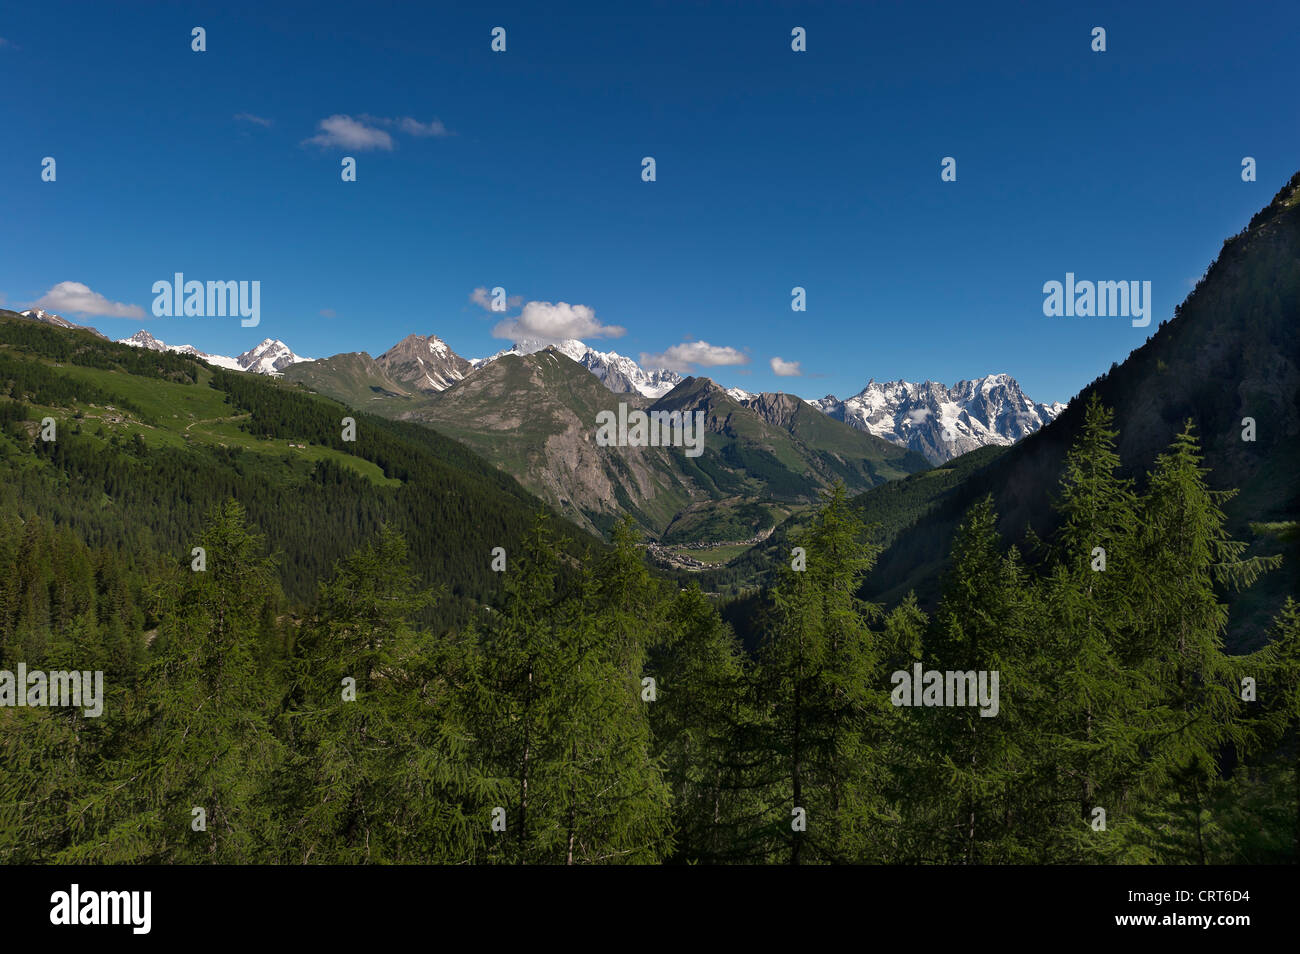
47,317
269,357
58,321
619,373
942,422
142,339
425,362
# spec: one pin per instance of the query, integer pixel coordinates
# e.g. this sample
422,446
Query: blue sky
522,170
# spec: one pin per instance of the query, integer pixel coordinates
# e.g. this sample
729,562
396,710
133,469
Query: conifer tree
1284,682
1196,709
701,707
907,741
380,734
198,736
980,761
609,788
1084,629
827,697
565,717
513,716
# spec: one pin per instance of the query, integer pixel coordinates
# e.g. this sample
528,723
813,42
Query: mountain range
271,356
937,422
533,414
941,422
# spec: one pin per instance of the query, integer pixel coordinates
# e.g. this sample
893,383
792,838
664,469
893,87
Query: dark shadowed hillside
1230,352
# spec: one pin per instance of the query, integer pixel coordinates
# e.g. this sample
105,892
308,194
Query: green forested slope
148,442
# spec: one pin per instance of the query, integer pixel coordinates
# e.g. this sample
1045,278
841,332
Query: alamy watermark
949,688
179,298
1087,299
37,688
656,429
129,908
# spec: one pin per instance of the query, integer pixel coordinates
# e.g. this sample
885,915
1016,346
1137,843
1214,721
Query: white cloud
74,298
348,133
250,118
682,357
786,369
365,132
413,127
918,415
408,124
483,298
548,322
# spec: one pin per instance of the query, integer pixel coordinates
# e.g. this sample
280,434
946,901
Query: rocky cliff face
424,362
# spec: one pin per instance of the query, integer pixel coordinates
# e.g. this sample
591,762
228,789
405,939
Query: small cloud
682,357
250,118
483,298
413,127
344,132
409,125
918,415
786,369
328,313
371,132
74,298
548,322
